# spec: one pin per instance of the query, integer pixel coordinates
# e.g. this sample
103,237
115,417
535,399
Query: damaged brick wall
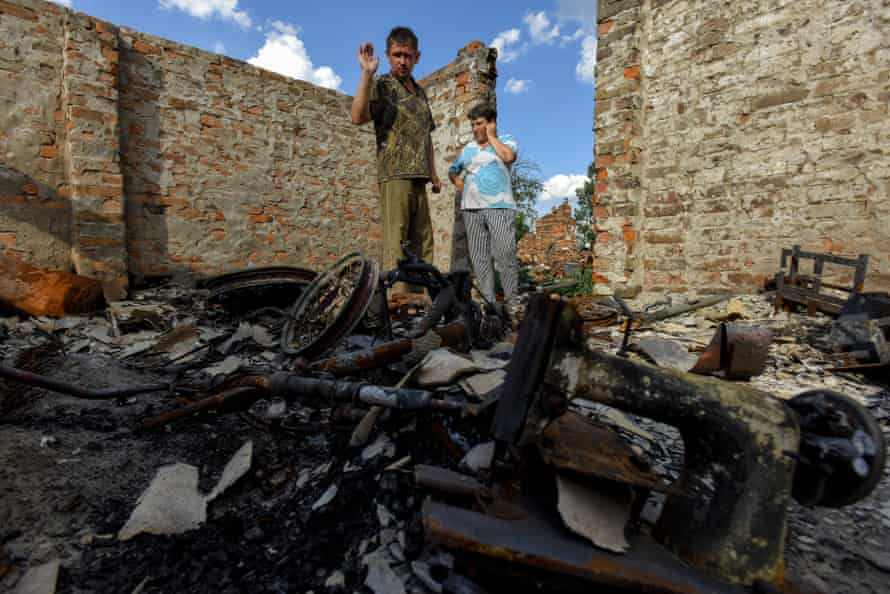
453,91
553,244
227,165
726,132
124,153
34,206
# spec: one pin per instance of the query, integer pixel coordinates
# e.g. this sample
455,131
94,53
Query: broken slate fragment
381,445
668,353
598,516
483,384
335,580
39,580
422,572
381,579
227,366
234,470
479,458
172,503
441,367
384,516
325,498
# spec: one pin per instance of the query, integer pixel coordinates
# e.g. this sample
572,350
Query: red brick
599,278
18,11
604,161
87,114
605,28
628,234
659,237
743,278
93,190
105,242
110,54
145,48
632,72
209,121
49,151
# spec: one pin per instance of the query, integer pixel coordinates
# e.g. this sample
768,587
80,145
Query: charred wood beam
53,293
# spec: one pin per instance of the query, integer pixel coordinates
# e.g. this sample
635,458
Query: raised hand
366,58
491,128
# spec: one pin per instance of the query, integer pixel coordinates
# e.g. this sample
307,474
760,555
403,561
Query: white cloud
285,54
573,37
516,86
505,42
585,70
205,9
539,27
578,10
562,186
66,3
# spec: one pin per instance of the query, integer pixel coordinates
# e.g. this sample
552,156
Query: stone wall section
750,127
34,208
229,166
91,151
617,126
453,91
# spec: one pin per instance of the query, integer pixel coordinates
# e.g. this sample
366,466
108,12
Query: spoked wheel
330,307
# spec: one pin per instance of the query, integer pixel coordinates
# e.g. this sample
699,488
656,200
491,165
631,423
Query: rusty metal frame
540,541
736,440
284,277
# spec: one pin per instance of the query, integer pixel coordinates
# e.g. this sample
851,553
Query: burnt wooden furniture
793,286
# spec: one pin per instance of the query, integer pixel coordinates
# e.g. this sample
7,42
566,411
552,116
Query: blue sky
545,68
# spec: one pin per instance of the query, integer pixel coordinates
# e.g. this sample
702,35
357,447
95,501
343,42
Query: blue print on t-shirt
491,180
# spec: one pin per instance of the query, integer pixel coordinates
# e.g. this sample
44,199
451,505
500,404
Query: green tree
584,212
525,179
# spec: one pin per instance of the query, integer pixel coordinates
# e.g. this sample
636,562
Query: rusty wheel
330,307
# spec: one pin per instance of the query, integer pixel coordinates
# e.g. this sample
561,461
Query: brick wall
125,155
553,244
34,207
227,165
728,131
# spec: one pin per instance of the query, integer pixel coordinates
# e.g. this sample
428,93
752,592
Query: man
403,122
481,174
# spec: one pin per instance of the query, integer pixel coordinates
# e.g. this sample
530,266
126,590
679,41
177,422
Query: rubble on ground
318,505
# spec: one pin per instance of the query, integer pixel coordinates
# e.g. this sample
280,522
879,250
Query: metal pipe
240,392
40,381
452,335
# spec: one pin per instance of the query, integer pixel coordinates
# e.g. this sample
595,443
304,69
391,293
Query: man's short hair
483,110
402,36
